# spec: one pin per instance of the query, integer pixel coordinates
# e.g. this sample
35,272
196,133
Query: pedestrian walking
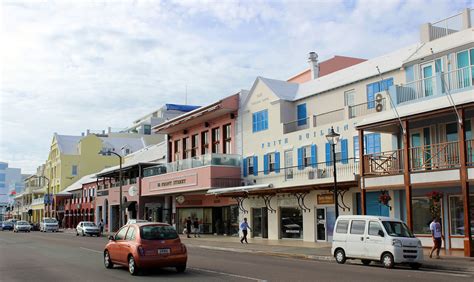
244,226
196,227
101,227
437,236
188,226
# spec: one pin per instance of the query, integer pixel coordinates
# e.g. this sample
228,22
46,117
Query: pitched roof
67,144
151,153
78,184
284,90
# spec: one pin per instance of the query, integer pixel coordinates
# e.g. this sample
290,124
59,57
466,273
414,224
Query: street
65,257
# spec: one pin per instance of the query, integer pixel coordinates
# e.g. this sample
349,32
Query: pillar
406,174
362,172
173,211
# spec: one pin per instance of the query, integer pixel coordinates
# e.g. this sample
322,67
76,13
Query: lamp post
108,153
333,139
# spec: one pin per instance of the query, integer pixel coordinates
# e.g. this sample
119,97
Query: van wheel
415,265
365,261
387,260
340,256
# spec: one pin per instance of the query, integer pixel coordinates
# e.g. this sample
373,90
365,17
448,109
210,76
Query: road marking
227,274
91,250
224,249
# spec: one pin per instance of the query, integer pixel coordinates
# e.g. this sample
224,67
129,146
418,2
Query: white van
49,224
374,238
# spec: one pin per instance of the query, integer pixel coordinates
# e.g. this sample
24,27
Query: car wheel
387,260
107,261
181,268
415,265
365,261
132,267
340,256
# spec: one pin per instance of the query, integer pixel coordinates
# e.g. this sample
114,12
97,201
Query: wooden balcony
385,163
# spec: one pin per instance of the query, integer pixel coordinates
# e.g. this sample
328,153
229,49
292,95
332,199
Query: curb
318,257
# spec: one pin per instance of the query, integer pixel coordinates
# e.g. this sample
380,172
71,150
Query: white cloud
72,65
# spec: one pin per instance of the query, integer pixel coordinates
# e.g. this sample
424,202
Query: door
374,242
321,224
330,222
264,222
257,222
356,239
428,79
114,248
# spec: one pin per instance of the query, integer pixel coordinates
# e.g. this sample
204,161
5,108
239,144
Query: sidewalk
309,250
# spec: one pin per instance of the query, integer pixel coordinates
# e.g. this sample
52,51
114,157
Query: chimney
88,132
313,64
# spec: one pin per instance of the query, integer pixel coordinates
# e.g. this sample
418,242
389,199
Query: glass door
257,222
330,222
428,79
416,151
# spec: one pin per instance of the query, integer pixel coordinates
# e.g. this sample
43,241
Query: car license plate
163,251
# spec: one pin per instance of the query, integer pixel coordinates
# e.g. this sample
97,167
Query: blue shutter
255,165
356,147
314,156
300,159
301,111
328,154
265,164
344,151
277,162
244,165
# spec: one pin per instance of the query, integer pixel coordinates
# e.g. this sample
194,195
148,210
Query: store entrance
325,220
260,222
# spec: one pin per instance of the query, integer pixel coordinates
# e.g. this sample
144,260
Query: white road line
441,272
227,274
224,249
90,250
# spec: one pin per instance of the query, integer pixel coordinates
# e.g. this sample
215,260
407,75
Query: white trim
239,189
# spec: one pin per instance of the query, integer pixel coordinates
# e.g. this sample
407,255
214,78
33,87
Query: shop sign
171,182
292,231
325,199
102,193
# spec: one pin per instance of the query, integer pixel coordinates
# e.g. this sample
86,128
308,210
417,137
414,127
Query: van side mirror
111,238
381,234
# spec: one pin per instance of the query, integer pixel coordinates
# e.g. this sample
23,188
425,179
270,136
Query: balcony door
421,151
427,72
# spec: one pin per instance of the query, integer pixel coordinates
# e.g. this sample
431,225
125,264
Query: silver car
22,226
87,228
49,224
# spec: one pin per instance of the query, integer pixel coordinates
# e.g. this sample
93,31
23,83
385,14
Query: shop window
456,215
291,223
422,217
227,139
216,138
205,143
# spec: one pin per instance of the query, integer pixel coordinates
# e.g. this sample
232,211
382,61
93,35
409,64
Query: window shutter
314,156
328,154
300,159
344,152
245,168
265,164
277,162
255,165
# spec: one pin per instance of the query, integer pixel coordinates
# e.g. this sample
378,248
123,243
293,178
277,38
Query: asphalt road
39,256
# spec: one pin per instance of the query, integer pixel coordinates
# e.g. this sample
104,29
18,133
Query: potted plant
384,198
435,203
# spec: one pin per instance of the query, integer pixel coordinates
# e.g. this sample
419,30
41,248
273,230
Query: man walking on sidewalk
188,226
437,236
196,227
101,227
244,226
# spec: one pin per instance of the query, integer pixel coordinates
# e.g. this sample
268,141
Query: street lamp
333,138
108,153
49,199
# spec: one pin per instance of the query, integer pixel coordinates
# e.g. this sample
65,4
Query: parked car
373,238
22,226
87,228
148,245
35,226
132,221
49,224
7,225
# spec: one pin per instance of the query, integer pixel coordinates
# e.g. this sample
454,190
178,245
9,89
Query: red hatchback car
146,245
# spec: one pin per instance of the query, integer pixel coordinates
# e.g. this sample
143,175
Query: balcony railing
446,26
199,161
367,108
384,163
453,81
296,125
470,152
329,117
225,182
435,156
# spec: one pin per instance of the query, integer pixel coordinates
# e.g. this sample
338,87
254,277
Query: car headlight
396,243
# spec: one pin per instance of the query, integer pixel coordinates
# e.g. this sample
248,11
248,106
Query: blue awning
182,108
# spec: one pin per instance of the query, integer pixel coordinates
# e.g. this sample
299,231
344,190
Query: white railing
328,117
296,125
458,79
416,89
446,26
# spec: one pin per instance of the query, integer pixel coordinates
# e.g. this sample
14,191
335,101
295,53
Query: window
130,234
422,217
271,162
147,129
156,232
374,228
227,139
195,145
456,214
376,87
356,147
289,164
358,227
74,170
372,143
204,142
349,97
121,234
291,223
452,132
186,148
216,137
250,165
342,226
307,156
260,121
301,112
177,150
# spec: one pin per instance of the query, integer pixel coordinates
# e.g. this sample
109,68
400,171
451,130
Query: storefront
291,223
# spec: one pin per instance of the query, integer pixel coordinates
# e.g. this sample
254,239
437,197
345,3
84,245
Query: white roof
78,184
68,144
153,153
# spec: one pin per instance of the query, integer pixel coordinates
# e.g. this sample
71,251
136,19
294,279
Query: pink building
201,155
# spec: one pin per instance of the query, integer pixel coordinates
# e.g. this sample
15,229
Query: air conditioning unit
311,174
378,102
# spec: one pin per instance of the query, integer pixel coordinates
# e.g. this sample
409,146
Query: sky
69,66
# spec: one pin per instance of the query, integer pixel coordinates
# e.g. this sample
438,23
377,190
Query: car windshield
156,232
50,220
397,229
90,224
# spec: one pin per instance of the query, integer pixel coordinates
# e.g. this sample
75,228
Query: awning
248,188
